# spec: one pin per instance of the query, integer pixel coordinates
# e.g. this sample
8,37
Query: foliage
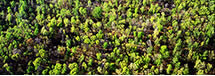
107,37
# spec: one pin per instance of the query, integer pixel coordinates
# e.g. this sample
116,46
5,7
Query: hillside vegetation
146,37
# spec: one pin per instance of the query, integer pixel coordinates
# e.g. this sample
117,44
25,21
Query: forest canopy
107,37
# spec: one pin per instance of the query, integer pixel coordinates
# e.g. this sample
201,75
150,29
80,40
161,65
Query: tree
90,62
139,35
129,13
9,17
83,11
105,45
42,53
68,43
44,31
74,68
59,22
66,22
36,31
87,41
8,68
84,65
98,55
164,51
53,22
37,62
106,7
57,69
169,67
97,12
64,69
99,34
44,72
12,3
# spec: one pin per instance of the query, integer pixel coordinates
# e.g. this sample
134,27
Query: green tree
8,68
169,68
106,7
37,62
44,31
74,68
64,69
9,17
105,45
42,53
83,11
57,69
66,22
97,12
98,55
164,51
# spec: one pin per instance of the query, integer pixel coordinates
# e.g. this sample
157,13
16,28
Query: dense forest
100,37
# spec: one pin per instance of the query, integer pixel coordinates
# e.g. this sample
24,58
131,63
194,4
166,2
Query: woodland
107,37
